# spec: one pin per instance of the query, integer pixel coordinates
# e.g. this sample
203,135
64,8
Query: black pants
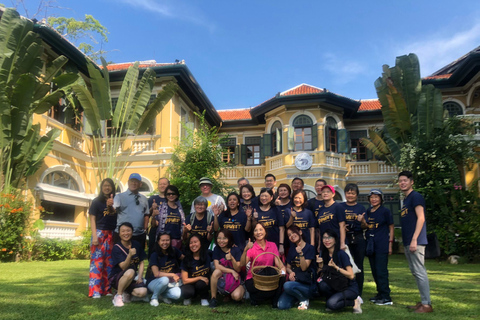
151,241
140,238
379,266
357,249
257,296
199,288
337,300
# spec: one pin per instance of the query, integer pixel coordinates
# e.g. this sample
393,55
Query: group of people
314,247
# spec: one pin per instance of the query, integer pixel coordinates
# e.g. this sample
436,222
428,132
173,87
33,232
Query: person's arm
222,268
342,235
187,280
126,263
304,263
93,227
140,272
158,274
312,236
248,213
347,272
420,212
290,220
243,260
237,266
281,247
392,237
216,224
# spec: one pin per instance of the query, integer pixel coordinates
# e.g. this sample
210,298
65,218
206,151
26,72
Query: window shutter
291,135
279,140
327,139
343,141
266,149
237,155
243,154
314,137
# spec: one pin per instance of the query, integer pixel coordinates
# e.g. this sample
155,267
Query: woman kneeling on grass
195,271
127,259
227,267
164,281
338,280
252,250
301,271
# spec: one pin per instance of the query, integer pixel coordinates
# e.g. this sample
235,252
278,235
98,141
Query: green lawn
58,290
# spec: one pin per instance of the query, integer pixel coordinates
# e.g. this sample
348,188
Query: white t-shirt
212,199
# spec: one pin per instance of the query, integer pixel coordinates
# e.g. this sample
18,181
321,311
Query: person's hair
270,175
125,224
228,235
103,197
407,174
270,192
163,179
299,179
293,228
189,254
158,249
321,180
325,253
250,188
264,228
242,179
227,213
352,187
174,189
305,200
200,200
286,186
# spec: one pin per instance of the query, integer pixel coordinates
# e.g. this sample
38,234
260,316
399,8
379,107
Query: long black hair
336,248
227,212
189,254
103,197
170,250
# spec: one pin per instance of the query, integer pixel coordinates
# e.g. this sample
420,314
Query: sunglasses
136,199
170,194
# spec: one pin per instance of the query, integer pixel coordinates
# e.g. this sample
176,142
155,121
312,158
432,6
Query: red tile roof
237,114
441,76
142,64
301,89
370,105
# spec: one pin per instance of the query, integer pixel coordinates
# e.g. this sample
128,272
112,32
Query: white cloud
437,51
173,9
342,70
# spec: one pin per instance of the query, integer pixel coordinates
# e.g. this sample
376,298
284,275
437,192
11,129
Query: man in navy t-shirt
414,235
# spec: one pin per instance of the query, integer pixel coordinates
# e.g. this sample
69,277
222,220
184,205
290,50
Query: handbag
354,265
337,281
370,246
305,277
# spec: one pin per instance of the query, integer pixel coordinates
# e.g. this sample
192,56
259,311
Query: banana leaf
100,91
90,109
125,98
140,101
22,99
43,147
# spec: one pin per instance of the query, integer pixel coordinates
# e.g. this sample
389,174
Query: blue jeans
159,286
293,291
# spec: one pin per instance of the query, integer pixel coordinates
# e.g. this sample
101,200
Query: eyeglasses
170,194
136,199
327,238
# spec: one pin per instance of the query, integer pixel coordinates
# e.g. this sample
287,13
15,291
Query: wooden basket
262,282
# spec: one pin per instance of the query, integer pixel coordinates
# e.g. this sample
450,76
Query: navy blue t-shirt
199,227
119,255
219,254
351,214
283,211
173,223
330,218
314,205
158,200
197,269
293,258
253,204
304,220
272,220
344,262
378,224
236,225
104,219
165,263
409,219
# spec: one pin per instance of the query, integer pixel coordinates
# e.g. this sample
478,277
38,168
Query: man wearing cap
132,207
205,185
330,215
414,235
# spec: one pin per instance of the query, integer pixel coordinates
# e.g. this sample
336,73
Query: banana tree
25,89
132,114
409,109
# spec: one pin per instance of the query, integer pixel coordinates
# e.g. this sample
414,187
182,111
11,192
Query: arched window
453,108
331,129
303,133
276,132
62,180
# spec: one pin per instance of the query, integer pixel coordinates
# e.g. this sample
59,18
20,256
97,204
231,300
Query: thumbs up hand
110,201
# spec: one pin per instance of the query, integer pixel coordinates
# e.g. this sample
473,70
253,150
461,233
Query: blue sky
244,52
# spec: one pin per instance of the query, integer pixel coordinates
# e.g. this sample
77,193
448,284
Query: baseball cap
135,176
329,187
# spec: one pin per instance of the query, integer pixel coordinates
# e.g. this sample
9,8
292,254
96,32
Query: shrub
52,249
81,247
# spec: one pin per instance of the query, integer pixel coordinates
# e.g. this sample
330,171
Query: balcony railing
370,167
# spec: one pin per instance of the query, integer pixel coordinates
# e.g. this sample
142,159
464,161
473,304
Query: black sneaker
384,302
373,299
213,303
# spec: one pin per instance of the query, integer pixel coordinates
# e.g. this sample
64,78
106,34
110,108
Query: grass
58,290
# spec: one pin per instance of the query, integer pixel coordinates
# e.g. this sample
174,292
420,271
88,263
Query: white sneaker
96,295
117,301
204,303
303,305
154,303
357,308
167,301
187,302
361,300
127,298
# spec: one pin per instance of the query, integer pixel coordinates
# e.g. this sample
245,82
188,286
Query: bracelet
390,241
338,269
280,243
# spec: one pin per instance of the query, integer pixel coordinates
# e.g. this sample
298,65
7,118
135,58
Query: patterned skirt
100,264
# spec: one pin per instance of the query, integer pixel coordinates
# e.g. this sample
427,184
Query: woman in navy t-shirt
164,263
200,222
195,271
301,217
171,216
227,260
380,230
